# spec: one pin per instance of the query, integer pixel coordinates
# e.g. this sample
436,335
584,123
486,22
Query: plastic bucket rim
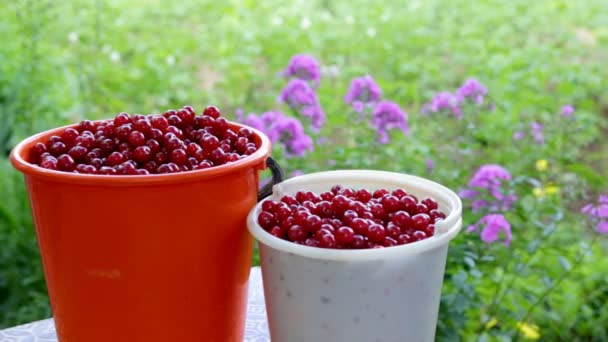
19,162
451,225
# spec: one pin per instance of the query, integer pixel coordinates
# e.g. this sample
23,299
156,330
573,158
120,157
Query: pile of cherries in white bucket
346,218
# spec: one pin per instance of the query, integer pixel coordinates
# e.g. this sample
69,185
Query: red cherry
363,195
65,163
404,239
376,233
360,226
421,209
336,189
347,192
78,153
380,193
296,233
419,235
136,138
393,230
266,220
402,219
178,156
389,242
185,116
429,230
159,122
408,203
115,158
436,215
205,164
69,135
312,223
49,163
430,203
312,242
142,154
58,148
420,221
212,111
324,209
122,119
86,169
278,232
143,126
391,203
359,242
345,235
289,200
123,131
86,125
399,193
326,238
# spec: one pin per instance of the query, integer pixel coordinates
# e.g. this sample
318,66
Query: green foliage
23,295
74,59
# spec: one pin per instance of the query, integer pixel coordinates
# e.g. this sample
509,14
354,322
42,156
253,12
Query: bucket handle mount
277,177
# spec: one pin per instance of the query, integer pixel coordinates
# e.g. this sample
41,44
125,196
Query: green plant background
62,61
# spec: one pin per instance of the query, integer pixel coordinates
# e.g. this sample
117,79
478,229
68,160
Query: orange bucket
145,258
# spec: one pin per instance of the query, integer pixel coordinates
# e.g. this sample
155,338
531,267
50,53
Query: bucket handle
277,177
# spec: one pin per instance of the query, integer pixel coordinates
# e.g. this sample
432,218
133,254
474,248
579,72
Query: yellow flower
551,189
491,323
529,331
542,165
547,190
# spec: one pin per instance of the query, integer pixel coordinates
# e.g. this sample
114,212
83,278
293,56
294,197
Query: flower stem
497,298
548,291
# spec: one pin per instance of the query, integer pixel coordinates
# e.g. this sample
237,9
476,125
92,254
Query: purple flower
250,120
493,225
297,173
472,89
567,110
598,213
444,101
486,189
429,164
489,176
602,227
303,67
299,96
386,116
281,129
363,89
358,106
479,204
518,135
292,136
537,132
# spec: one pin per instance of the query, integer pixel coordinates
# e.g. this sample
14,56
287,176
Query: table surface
256,328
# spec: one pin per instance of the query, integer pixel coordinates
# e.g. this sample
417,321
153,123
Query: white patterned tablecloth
256,328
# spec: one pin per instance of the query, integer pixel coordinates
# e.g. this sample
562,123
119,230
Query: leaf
564,262
469,261
532,246
476,273
588,174
548,281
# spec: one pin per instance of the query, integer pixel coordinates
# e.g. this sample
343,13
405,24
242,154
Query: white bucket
329,295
